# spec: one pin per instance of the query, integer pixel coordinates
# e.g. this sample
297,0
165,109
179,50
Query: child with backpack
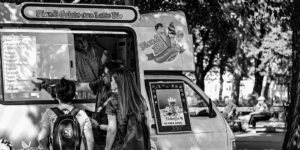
65,127
127,128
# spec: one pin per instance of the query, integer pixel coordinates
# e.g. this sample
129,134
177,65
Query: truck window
29,54
196,104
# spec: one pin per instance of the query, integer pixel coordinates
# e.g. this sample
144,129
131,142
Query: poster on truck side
164,42
169,102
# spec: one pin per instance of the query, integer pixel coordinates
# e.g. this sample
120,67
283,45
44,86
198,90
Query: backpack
137,134
66,134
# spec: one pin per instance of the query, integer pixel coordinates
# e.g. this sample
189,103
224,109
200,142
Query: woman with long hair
127,101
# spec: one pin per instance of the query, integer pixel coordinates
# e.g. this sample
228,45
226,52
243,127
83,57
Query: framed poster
170,106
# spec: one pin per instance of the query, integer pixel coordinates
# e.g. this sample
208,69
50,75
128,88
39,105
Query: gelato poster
170,107
164,42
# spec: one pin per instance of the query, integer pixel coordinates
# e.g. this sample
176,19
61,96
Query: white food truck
40,40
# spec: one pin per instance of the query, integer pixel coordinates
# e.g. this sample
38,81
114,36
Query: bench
262,126
274,124
271,126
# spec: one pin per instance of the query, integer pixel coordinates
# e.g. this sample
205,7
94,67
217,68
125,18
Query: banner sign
171,111
67,12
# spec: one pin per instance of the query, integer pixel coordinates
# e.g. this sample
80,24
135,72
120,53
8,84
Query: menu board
28,54
19,62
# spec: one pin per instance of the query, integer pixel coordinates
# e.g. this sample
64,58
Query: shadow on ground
259,141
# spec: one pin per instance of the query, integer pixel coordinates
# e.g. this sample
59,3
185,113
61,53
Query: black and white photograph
149,74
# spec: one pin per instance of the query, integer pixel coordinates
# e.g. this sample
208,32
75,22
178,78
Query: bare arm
88,133
43,138
103,127
83,87
97,125
43,135
90,86
111,131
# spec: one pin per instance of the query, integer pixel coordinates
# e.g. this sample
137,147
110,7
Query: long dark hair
105,93
130,98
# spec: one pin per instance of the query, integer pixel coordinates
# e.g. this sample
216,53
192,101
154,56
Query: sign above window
72,12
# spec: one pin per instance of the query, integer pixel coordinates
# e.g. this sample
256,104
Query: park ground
259,140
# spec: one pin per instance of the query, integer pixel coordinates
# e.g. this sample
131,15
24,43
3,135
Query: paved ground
259,141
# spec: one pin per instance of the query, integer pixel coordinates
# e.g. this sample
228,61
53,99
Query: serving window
30,54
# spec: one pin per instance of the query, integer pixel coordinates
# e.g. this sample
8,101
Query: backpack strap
74,111
104,104
109,99
57,111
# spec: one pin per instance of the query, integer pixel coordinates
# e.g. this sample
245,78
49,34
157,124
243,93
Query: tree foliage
235,35
253,21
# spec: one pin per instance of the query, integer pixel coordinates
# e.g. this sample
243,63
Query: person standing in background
230,108
88,55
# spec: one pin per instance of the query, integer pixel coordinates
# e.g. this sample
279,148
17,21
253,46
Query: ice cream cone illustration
172,105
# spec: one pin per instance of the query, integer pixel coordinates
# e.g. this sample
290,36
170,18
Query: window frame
174,78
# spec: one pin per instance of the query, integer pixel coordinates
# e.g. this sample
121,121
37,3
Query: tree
243,31
292,136
273,42
276,55
253,20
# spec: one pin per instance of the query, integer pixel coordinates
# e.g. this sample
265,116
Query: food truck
45,40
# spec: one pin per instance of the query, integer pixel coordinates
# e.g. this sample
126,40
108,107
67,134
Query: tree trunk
271,92
222,69
236,88
200,71
237,69
257,83
221,84
200,76
258,78
267,89
200,80
264,86
292,136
